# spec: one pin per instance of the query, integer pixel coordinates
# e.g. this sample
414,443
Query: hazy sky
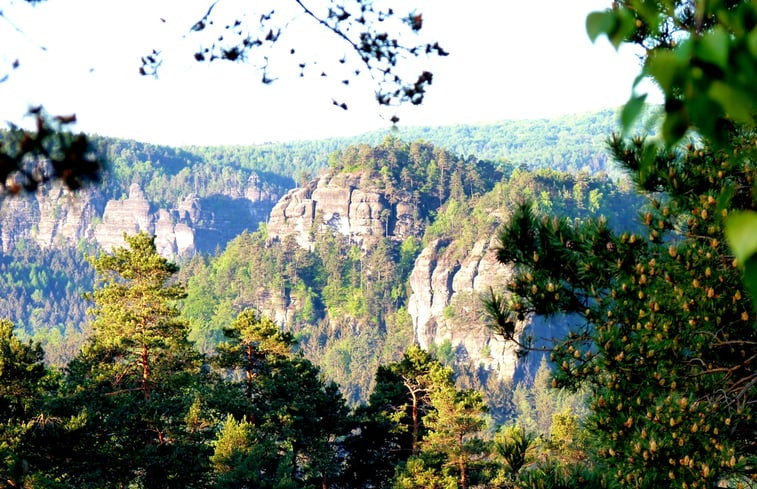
509,59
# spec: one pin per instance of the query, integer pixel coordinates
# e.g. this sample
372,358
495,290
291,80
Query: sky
508,60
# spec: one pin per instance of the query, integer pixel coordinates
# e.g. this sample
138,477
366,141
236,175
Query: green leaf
663,66
631,111
736,103
750,277
649,11
713,47
625,24
752,42
639,78
741,233
675,125
598,23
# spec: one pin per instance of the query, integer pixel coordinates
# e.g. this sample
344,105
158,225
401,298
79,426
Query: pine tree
21,377
666,337
137,334
21,372
391,427
289,430
251,340
133,384
454,425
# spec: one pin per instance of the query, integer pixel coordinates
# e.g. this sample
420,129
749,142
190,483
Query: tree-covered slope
347,302
570,143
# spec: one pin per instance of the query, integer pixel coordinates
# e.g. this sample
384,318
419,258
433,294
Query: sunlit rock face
445,303
55,217
447,279
128,216
348,204
66,217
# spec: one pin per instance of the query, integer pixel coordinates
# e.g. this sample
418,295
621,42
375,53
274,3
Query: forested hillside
344,296
347,304
569,143
207,186
477,307
339,266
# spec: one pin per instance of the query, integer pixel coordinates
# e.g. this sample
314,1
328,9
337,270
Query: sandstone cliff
447,279
445,305
349,204
58,217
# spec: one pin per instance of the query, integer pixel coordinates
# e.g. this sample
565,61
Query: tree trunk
415,422
249,368
146,372
463,475
461,465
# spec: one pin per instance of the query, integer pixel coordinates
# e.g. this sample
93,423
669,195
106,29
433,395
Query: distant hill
567,143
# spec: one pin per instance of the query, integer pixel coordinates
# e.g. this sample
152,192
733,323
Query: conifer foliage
664,330
137,332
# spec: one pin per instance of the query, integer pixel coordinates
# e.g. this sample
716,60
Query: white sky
509,59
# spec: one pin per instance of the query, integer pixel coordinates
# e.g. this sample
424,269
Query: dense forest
335,346
139,405
347,306
569,143
158,375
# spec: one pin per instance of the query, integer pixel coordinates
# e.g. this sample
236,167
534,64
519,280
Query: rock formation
347,204
129,216
56,217
445,304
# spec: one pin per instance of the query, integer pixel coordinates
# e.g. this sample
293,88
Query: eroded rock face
55,217
128,216
349,205
50,218
18,216
66,217
445,304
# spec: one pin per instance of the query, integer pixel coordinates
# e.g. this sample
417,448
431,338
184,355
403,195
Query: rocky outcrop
445,304
50,218
128,216
55,217
349,204
18,218
66,217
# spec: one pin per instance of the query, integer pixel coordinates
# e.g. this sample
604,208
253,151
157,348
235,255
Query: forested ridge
569,143
346,306
180,377
166,174
212,382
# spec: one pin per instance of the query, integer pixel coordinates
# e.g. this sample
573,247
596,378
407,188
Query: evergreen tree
391,427
251,339
666,337
133,384
454,426
21,377
21,372
516,446
138,338
288,433
445,446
